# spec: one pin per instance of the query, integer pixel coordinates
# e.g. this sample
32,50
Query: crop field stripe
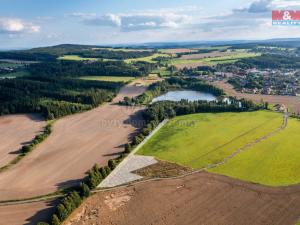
231,141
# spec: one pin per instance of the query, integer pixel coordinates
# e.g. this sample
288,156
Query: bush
55,220
128,148
62,212
112,164
84,190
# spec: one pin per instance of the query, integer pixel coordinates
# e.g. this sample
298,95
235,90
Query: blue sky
30,23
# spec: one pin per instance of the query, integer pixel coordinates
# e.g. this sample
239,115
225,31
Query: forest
84,68
52,53
53,97
271,61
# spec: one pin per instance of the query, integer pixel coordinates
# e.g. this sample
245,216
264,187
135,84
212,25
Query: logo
286,17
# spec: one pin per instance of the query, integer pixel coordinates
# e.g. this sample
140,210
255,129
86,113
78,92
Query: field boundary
123,163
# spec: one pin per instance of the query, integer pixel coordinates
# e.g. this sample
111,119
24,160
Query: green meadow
149,59
213,60
200,140
273,162
108,78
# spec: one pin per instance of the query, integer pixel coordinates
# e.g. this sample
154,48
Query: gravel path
123,173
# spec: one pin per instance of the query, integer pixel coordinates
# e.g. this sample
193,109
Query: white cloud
290,4
14,26
142,20
253,21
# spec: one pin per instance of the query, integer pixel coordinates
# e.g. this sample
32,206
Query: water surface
185,94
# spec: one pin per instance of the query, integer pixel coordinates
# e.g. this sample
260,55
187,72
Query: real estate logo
286,17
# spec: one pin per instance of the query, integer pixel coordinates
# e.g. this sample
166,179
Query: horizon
33,23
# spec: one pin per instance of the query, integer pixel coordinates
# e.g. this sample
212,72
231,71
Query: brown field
207,55
179,50
292,102
75,145
199,199
16,130
27,214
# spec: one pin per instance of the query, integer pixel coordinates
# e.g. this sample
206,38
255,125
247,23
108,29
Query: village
258,81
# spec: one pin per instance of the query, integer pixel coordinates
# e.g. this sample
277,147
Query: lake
185,94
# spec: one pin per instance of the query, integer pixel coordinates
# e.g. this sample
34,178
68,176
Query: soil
162,169
179,50
75,145
293,102
17,130
27,214
198,199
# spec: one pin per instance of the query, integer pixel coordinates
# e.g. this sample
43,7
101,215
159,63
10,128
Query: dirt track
199,199
16,130
292,102
75,145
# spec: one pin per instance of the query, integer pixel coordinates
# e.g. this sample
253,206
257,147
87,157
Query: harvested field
28,214
178,50
199,199
207,55
15,131
75,145
292,102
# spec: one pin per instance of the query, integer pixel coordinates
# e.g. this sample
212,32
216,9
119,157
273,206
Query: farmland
76,58
108,78
198,60
149,59
201,198
199,140
54,163
15,131
273,162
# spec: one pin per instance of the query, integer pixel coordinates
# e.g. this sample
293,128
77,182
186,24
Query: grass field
199,140
124,49
148,58
202,139
273,162
16,74
213,60
162,72
11,65
108,78
76,58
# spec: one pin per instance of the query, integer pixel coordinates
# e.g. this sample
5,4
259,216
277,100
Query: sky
33,23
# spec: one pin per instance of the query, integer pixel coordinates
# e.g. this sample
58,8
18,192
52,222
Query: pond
185,94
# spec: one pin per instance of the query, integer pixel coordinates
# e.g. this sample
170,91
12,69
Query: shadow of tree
43,215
